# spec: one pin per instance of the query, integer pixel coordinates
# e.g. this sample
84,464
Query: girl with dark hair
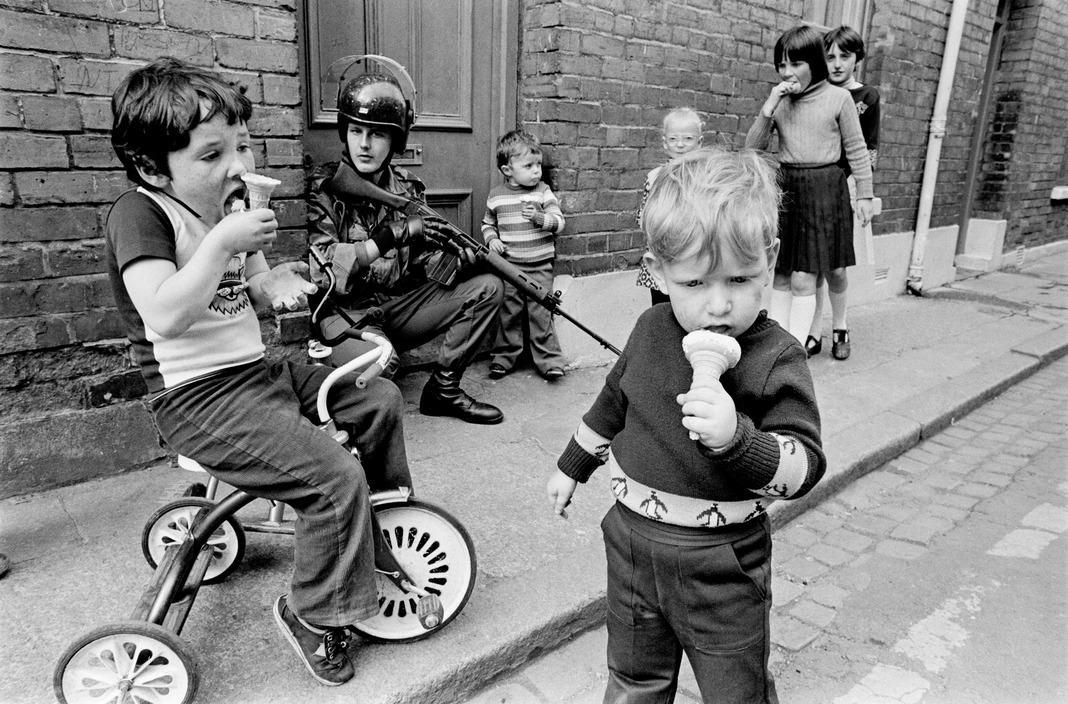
845,49
815,122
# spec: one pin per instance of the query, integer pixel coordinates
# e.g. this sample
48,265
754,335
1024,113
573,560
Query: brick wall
596,78
58,173
61,351
1026,152
956,156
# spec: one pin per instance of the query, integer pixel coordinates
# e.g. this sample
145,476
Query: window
832,13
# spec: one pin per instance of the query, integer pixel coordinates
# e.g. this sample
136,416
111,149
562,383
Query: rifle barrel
603,342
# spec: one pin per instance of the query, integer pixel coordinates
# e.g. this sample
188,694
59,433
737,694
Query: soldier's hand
468,257
437,230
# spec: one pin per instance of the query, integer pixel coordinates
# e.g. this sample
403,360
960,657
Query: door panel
439,56
461,56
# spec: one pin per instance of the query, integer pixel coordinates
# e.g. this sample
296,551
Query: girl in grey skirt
815,122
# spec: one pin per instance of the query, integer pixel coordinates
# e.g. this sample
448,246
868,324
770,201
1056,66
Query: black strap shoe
840,347
813,345
442,396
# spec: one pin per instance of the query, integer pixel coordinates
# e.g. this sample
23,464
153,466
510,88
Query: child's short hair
803,43
847,39
682,114
158,105
715,199
516,143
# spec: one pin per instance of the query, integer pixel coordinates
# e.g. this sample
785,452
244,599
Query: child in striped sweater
522,219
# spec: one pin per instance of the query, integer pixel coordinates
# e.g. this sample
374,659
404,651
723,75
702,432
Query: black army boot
442,396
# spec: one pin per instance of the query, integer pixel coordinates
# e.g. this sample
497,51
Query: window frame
855,13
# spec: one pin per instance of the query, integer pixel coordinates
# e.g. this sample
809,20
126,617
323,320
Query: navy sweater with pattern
637,417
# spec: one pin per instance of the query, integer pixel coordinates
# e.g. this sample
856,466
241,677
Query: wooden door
461,55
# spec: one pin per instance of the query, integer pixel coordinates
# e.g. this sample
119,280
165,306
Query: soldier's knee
488,287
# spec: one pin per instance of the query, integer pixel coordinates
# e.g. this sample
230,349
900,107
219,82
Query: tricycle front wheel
172,523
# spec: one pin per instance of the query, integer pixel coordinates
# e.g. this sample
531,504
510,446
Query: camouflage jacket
340,230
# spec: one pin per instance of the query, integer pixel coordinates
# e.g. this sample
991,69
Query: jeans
703,592
255,428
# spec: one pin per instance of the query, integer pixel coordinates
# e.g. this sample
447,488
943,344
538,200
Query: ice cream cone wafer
710,354
259,189
708,364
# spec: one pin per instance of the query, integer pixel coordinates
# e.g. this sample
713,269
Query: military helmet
375,99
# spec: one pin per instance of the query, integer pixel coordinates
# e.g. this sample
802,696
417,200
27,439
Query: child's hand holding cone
708,411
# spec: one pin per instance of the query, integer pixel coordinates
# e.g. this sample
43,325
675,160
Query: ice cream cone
259,189
708,364
710,354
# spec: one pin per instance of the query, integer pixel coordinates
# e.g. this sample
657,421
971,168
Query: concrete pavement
917,364
916,582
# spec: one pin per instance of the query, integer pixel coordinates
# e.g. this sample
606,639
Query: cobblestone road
879,593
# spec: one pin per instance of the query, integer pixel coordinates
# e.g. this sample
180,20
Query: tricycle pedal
430,611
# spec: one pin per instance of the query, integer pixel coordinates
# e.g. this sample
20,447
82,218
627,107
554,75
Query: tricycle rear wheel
129,661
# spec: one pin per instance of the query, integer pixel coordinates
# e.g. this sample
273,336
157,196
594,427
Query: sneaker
321,649
553,373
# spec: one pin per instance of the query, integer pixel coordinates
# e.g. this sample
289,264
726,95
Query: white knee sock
779,307
838,310
801,313
816,330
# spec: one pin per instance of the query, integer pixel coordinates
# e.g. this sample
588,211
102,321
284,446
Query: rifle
346,183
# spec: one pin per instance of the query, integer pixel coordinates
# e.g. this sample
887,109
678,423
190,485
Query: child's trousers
703,592
251,426
544,345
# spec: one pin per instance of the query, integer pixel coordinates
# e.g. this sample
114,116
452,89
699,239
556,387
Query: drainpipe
937,132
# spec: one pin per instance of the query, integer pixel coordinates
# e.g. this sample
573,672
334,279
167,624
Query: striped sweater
528,242
635,427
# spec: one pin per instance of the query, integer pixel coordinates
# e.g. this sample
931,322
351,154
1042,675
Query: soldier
382,257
